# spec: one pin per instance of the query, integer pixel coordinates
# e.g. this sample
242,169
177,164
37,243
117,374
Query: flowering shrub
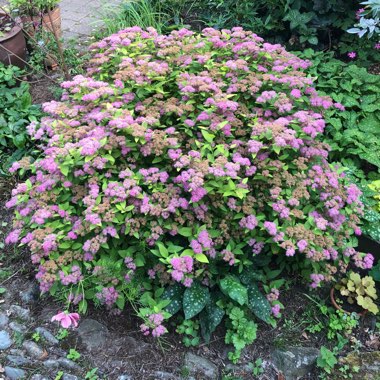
185,172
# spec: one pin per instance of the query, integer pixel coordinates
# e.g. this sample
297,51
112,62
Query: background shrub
16,112
297,24
186,172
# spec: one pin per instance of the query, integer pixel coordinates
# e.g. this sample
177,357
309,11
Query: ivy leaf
258,303
195,299
231,286
173,293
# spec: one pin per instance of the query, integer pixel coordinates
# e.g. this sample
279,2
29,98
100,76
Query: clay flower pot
362,313
13,46
33,23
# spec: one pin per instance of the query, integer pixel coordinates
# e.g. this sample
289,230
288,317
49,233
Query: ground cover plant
16,112
183,174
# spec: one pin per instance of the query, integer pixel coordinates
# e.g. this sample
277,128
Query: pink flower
352,54
377,46
66,319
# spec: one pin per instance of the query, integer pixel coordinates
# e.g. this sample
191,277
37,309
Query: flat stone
295,362
160,375
16,352
202,366
14,373
38,377
367,362
18,360
5,340
3,320
18,327
93,334
68,364
31,295
67,376
47,335
33,349
20,312
124,377
51,364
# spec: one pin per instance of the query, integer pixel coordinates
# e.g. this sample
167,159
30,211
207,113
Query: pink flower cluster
154,325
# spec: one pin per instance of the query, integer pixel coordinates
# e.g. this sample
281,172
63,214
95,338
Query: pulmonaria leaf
195,299
174,293
258,303
210,317
231,286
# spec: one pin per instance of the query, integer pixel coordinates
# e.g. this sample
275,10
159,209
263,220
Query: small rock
93,334
68,364
16,352
33,349
38,377
51,364
197,364
124,377
295,362
159,375
67,376
14,373
31,295
5,340
47,335
20,312
18,327
18,360
3,320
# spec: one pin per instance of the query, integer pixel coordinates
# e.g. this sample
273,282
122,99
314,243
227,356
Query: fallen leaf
373,342
304,335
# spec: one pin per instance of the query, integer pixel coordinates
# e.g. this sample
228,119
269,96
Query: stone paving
80,17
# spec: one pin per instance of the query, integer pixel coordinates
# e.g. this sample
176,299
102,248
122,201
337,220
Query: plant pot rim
332,298
15,29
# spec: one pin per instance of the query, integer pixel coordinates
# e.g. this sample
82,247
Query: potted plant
355,292
12,41
39,13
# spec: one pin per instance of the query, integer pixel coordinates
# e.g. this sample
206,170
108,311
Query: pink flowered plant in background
67,319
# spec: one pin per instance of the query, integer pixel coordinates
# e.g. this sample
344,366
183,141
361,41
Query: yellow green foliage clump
360,290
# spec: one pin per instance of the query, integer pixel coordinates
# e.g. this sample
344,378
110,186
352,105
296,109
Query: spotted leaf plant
181,175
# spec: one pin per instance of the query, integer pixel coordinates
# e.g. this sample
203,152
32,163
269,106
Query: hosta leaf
195,299
258,303
173,293
231,286
210,318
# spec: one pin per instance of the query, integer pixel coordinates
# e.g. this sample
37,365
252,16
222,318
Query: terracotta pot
13,47
338,307
33,23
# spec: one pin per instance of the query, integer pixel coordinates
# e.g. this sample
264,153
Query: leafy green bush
16,113
354,132
186,172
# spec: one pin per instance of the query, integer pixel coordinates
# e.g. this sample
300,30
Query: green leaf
174,294
2,290
201,257
258,303
185,231
231,286
207,136
163,251
195,299
209,319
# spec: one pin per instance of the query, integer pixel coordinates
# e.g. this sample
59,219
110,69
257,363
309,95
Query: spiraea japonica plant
183,174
